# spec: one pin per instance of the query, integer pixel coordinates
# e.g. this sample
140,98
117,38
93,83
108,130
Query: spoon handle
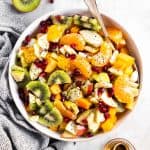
95,12
91,4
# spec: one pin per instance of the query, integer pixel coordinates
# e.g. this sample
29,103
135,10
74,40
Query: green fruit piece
49,105
26,5
33,106
51,119
20,75
59,77
83,116
42,111
102,77
39,89
72,106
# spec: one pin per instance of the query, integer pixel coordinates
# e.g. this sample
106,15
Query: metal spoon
91,4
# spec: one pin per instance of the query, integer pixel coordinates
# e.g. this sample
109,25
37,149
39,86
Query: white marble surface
134,15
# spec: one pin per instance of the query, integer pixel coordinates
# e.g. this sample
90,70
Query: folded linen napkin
15,132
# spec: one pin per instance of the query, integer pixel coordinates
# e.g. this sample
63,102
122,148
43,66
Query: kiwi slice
39,89
20,75
59,77
26,5
51,119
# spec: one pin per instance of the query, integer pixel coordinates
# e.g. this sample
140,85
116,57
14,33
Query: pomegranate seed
43,74
110,92
105,68
26,41
63,97
41,64
76,72
66,120
52,98
84,121
111,76
103,107
51,1
53,47
58,17
106,115
73,46
90,89
49,21
100,91
96,69
67,31
72,56
43,27
79,83
89,135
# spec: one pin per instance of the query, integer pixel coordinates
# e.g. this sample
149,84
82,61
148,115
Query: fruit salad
71,80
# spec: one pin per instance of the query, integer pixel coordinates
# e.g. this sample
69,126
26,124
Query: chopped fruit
66,113
116,36
83,103
71,127
28,54
74,81
83,65
110,122
94,120
124,90
82,119
63,63
102,58
66,134
52,64
55,32
55,89
123,61
72,106
129,71
58,97
62,126
81,130
73,39
92,37
91,49
75,29
59,77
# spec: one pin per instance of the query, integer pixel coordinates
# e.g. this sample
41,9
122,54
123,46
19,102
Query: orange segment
28,54
63,63
110,122
55,32
66,113
116,36
83,65
75,29
73,39
83,103
123,90
123,61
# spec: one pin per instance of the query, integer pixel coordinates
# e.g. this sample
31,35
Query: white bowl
13,86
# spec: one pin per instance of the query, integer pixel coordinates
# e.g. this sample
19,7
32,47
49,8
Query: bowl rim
13,86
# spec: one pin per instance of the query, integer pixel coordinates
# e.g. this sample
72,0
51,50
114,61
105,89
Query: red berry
78,83
58,17
73,46
66,120
90,89
53,47
51,1
41,64
84,121
26,41
96,69
100,91
52,98
110,92
76,72
43,74
106,115
72,56
103,107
